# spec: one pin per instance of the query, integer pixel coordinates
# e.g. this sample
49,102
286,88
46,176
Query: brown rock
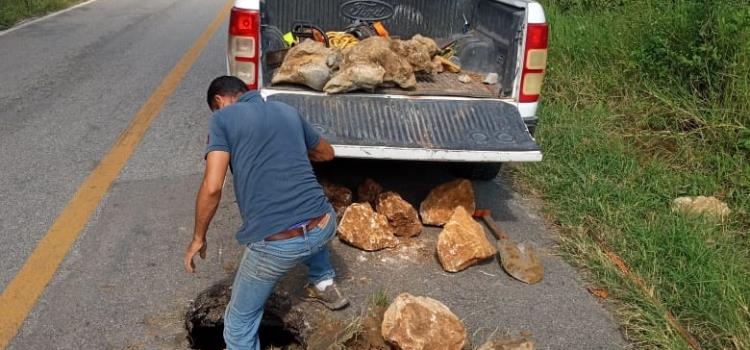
462,243
418,51
365,229
710,207
421,323
339,196
369,64
508,344
438,207
368,191
309,63
402,217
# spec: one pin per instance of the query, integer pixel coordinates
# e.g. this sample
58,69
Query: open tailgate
383,127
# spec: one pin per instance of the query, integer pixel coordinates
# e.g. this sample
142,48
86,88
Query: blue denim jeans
262,265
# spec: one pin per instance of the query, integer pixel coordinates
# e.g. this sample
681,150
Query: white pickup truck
477,125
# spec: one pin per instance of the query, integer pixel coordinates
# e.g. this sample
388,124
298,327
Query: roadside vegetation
646,101
13,11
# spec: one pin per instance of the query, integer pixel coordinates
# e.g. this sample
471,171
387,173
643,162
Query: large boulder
438,207
368,65
365,229
709,207
310,63
402,217
463,243
421,323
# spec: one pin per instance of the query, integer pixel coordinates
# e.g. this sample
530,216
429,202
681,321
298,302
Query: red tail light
244,35
534,62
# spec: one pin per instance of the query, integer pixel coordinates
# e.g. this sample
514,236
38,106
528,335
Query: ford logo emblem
367,10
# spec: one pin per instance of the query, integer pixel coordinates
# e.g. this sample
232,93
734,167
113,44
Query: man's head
224,91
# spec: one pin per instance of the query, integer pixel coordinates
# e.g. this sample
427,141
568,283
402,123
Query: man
287,219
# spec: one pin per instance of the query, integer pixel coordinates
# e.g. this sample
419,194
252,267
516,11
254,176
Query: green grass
646,101
380,298
13,11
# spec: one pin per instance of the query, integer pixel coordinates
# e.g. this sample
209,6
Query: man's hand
195,247
323,152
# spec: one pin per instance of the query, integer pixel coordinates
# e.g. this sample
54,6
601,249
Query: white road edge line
49,15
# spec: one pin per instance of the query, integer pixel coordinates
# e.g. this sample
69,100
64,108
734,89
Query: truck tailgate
471,130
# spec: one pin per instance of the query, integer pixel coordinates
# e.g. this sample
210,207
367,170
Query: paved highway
70,86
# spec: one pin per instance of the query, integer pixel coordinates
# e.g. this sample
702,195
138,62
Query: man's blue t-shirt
274,182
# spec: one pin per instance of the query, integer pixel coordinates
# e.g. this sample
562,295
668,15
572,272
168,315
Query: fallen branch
617,261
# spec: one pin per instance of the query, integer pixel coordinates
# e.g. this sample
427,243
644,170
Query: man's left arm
206,204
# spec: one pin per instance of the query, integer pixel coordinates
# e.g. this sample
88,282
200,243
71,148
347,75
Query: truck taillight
534,62
244,32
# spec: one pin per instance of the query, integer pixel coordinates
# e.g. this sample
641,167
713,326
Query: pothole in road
204,322
272,336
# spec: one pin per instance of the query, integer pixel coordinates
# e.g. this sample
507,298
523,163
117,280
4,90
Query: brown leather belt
297,231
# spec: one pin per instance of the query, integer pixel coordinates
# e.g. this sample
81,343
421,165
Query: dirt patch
369,337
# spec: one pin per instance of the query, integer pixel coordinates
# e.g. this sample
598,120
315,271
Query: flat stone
368,191
421,323
508,344
463,243
401,215
438,207
710,207
490,79
365,229
339,196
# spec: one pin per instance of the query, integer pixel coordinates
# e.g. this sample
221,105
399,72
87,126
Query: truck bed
485,33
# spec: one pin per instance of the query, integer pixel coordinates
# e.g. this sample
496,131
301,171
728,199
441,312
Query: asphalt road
72,83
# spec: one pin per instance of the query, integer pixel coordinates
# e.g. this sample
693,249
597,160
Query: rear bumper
436,155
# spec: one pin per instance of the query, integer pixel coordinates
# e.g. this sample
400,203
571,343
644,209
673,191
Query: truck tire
478,171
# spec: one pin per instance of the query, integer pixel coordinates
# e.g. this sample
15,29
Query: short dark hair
225,86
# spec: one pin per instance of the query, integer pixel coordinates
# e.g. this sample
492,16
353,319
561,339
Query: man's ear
217,101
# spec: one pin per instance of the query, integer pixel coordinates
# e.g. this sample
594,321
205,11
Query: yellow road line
20,296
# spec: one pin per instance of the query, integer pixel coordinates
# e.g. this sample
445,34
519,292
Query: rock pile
438,207
421,323
372,62
462,243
